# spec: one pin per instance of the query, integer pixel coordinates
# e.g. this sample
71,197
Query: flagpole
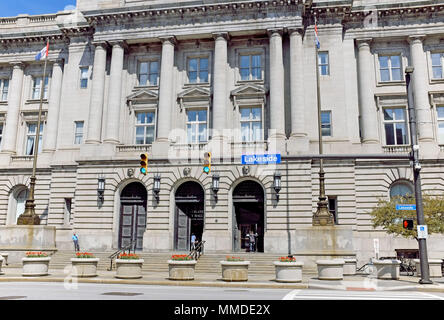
322,217
29,217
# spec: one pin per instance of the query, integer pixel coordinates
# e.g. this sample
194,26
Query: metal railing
197,250
128,248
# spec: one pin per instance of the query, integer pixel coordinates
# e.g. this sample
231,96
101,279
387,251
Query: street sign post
261,158
406,207
422,231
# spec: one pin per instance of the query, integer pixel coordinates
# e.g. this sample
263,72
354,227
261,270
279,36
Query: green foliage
386,216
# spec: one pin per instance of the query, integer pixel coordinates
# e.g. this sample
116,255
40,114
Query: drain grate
12,297
124,294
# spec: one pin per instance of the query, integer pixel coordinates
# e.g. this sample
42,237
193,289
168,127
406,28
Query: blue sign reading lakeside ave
406,207
261,158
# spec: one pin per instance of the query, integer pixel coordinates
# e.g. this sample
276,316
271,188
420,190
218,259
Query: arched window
16,205
402,188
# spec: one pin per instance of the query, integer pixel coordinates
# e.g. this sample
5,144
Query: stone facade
255,57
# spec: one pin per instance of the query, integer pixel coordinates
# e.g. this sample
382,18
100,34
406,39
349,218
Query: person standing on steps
75,239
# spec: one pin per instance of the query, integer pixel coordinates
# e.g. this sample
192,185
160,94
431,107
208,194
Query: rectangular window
440,111
36,88
1,133
30,138
4,88
333,207
395,126
145,127
78,133
323,64
251,67
148,73
437,63
390,68
84,71
251,124
197,126
326,123
67,211
197,70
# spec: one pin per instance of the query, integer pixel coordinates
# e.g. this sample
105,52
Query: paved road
88,291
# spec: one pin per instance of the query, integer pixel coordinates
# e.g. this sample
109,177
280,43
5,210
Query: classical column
420,90
50,132
12,117
165,89
114,94
94,131
369,124
277,109
220,84
298,129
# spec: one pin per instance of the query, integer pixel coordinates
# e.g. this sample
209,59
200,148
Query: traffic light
207,163
144,163
407,224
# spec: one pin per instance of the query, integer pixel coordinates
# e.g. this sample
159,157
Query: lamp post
101,189
156,188
414,157
322,217
215,185
277,184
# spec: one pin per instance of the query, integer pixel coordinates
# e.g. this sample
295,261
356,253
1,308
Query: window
437,63
333,207
390,68
21,198
326,123
4,87
1,133
84,77
197,126
30,138
78,133
402,189
67,211
197,70
440,111
145,126
323,64
395,126
251,124
36,88
148,73
251,67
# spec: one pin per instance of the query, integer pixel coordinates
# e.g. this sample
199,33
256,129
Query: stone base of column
298,144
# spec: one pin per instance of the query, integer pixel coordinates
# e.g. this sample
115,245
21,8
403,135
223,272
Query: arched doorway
189,214
248,215
132,215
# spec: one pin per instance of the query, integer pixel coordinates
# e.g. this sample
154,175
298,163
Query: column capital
101,44
275,32
295,31
223,35
363,42
118,43
418,38
17,65
168,39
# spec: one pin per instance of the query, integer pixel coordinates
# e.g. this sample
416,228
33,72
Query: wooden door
132,225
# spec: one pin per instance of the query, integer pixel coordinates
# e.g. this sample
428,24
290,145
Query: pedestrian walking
75,239
193,241
252,237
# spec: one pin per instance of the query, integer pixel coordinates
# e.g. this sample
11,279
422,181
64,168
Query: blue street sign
261,158
406,207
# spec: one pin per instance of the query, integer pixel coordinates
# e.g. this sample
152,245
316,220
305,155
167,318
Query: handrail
115,254
197,250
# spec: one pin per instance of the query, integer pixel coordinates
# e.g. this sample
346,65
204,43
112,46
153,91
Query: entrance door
248,216
183,223
132,216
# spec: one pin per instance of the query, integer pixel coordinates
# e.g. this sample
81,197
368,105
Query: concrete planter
235,270
181,270
349,267
330,269
84,267
435,270
288,271
129,268
387,269
35,267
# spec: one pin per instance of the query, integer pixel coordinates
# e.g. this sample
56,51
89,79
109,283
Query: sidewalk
309,281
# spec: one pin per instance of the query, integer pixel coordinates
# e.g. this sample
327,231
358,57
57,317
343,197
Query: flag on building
317,42
43,53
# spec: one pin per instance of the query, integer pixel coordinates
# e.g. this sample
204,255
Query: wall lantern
101,189
215,185
277,183
156,188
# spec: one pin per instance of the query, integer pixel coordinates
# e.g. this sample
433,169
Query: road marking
291,295
432,296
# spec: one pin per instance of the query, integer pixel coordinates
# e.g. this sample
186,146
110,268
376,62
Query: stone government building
234,77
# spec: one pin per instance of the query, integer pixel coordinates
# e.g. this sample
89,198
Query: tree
386,216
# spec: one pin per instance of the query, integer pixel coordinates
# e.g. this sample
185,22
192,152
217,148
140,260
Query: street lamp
215,185
101,189
414,157
156,188
277,183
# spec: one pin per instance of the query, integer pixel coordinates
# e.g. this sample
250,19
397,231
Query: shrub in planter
129,266
84,265
288,269
234,269
181,267
35,264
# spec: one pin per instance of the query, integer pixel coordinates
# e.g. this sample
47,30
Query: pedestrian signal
407,224
144,163
207,163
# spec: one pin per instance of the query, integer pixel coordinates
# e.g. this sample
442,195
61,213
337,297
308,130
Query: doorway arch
188,215
132,223
248,215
